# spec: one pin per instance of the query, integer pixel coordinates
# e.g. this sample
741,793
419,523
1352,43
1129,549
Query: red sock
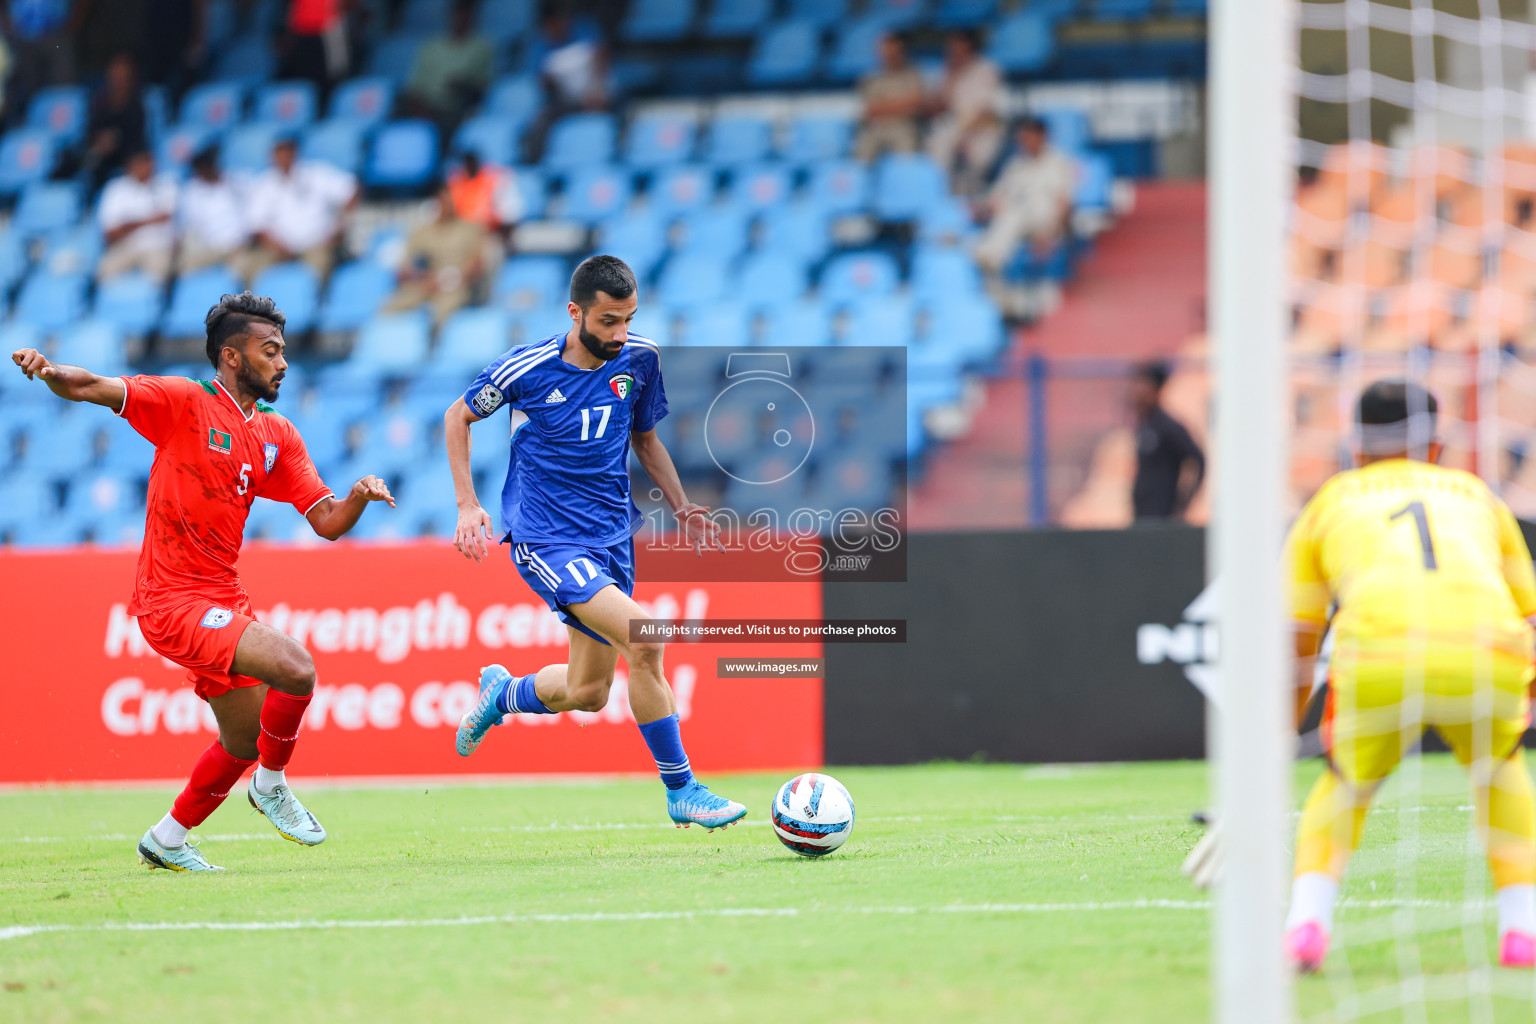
214,775
281,714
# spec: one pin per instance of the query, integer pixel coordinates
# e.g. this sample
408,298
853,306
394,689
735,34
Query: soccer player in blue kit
591,395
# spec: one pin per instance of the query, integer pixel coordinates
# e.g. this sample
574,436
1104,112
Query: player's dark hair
607,274
1154,373
1031,123
233,314
1393,401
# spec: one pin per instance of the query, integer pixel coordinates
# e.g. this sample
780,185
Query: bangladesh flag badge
219,441
621,384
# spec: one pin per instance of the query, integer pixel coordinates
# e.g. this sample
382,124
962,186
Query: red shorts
201,637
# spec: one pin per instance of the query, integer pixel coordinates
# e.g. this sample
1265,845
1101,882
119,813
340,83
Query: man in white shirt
297,210
967,132
211,216
135,215
1031,201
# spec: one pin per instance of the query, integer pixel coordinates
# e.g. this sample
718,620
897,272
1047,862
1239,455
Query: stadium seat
60,110
718,231
394,56
799,228
177,145
532,283
157,110
595,193
760,188
1056,10
899,14
356,292
1120,10
680,189
530,185
857,275
392,341
944,273
974,328
132,302
964,13
295,289
289,104
47,206
689,279
856,52
736,19
821,13
50,302
191,298
948,220
817,138
712,323
655,21
363,99
840,187
857,477
247,149
1189,8
738,139
472,337
26,155
881,320
638,239
769,276
579,140
403,156
1067,128
24,498
658,140
425,16
1023,42
805,322
335,141
491,137
247,61
785,54
506,20
906,184
517,98
72,250
13,261
215,105
1095,183
97,344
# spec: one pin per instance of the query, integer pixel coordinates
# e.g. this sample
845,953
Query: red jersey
211,463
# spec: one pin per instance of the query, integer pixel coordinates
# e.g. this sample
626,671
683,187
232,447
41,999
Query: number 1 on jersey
1420,520
586,420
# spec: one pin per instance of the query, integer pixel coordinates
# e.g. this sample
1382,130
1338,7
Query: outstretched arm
71,382
332,518
654,458
472,535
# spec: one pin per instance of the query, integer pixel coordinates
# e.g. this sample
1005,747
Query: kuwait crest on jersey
621,384
271,451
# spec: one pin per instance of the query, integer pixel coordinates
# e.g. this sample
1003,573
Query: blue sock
517,697
666,743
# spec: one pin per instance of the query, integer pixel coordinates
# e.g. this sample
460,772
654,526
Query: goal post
1252,56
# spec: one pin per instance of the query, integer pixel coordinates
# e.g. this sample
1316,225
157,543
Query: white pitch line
123,837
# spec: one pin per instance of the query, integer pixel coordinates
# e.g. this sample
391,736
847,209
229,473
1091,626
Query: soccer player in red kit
219,446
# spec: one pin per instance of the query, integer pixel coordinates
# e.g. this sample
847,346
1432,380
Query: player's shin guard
214,775
666,742
1331,822
281,714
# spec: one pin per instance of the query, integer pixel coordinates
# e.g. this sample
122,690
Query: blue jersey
569,474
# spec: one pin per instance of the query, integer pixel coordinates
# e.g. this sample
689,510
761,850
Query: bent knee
296,674
589,698
644,656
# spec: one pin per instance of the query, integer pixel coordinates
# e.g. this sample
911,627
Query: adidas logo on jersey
554,396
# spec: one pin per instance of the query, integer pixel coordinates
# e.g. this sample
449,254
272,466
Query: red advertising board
399,633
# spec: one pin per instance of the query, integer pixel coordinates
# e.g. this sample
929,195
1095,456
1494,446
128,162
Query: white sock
267,780
171,833
1312,898
1517,909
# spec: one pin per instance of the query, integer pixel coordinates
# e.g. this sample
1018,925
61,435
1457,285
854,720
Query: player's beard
251,381
596,345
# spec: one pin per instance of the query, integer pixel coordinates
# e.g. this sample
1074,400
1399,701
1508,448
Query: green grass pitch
967,893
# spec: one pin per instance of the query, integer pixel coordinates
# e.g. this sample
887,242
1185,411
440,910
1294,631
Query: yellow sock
1331,822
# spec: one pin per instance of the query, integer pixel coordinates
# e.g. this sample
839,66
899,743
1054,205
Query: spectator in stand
174,47
212,217
485,194
451,71
967,132
135,214
1030,203
42,50
893,99
297,211
1169,464
314,47
573,70
116,126
445,262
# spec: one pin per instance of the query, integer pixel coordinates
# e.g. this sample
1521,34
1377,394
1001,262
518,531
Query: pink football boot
1517,949
1307,946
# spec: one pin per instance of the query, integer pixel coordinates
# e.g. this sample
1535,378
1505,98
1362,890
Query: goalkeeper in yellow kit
1430,585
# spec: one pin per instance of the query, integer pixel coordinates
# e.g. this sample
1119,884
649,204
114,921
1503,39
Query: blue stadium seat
222,22
26,155
403,156
712,323
72,250
857,275
659,140
425,16
60,110
760,188
15,334
363,99
771,276
1095,183
532,283
817,138
805,322
655,21
840,187
490,137
738,139
1067,128
948,220
248,61
295,289
49,303
471,338
690,279
785,54
191,298
13,263
857,477
61,446
248,147
356,292
24,498
394,56
1189,8
336,141
822,13
964,13
47,206
596,192
1023,42
178,145
1120,10
580,140
799,228
1056,10
899,14
974,328
906,184
97,344
680,189
531,186
638,239
856,52
157,110
392,341
940,273
735,19
132,302
506,20
718,232
216,105
879,320
516,97
290,104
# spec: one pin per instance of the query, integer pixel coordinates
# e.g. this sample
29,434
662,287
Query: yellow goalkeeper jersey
1417,558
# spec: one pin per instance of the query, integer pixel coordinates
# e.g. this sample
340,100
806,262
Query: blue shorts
566,574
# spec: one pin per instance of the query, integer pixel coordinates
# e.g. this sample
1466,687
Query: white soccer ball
813,814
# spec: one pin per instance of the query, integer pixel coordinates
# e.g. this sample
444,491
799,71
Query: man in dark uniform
1169,464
